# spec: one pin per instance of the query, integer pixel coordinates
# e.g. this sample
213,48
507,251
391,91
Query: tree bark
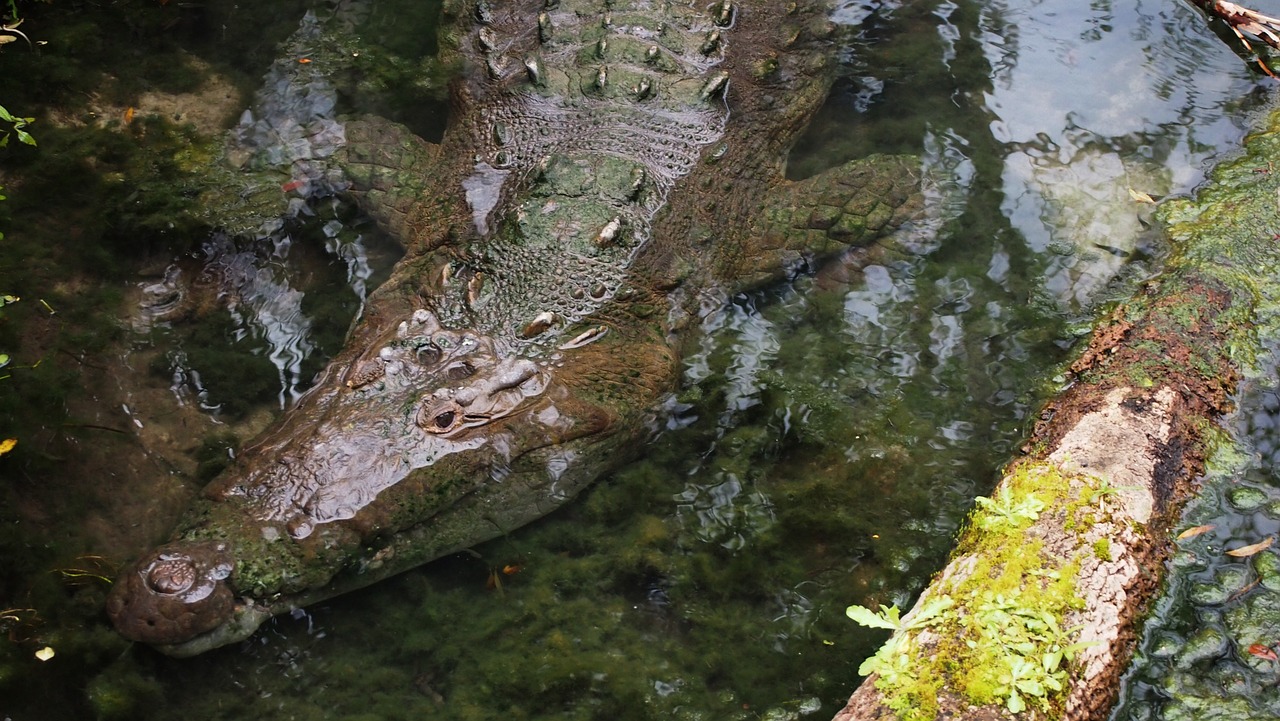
1078,527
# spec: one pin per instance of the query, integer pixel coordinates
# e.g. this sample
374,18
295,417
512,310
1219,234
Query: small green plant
893,662
18,127
1004,510
1102,491
1032,647
997,636
889,618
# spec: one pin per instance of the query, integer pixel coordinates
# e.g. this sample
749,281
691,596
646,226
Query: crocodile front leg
396,177
849,206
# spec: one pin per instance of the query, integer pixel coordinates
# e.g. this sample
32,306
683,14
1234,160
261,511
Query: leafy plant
890,618
1032,646
893,661
1004,510
19,128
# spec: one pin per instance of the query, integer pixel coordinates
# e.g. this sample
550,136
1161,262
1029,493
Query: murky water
831,433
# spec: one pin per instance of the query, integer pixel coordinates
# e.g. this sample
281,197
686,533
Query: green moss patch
994,631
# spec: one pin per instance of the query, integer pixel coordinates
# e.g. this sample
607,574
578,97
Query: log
1036,613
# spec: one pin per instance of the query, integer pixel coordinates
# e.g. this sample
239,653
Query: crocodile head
427,441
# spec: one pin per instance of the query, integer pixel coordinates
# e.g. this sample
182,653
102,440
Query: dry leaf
1195,531
1140,196
1245,551
45,653
7,445
1261,651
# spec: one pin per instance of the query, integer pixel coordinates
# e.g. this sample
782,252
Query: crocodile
613,170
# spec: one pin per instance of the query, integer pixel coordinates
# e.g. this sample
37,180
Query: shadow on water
830,435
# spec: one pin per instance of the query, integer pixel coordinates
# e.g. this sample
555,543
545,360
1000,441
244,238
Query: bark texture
1112,458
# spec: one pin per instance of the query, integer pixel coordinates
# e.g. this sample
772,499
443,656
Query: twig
1242,20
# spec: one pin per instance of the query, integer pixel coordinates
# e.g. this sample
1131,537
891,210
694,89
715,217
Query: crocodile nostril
170,576
459,371
428,355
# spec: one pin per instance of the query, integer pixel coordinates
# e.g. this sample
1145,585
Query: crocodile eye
439,417
459,371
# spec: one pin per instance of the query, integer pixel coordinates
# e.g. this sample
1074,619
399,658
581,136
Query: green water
831,433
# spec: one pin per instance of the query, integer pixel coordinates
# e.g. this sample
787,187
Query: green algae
1226,232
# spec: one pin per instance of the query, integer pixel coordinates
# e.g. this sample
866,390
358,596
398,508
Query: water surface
831,433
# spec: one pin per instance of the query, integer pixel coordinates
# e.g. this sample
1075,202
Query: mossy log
1036,614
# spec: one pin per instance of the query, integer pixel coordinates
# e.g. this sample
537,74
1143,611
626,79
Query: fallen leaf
45,653
7,445
1140,196
1261,651
1245,551
1195,531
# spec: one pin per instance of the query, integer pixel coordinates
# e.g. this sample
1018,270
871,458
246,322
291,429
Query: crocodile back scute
586,116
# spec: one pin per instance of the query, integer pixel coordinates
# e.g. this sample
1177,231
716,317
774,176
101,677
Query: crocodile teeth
488,39
609,232
484,12
544,27
715,86
712,42
602,48
590,335
602,78
651,54
534,68
538,325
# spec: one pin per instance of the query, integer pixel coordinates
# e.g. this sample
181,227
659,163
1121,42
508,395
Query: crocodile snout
173,594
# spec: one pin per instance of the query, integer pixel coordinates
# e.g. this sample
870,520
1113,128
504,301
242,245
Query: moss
1102,549
1014,598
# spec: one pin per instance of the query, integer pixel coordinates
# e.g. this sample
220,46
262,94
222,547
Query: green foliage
930,614
1030,647
1006,510
892,663
17,126
997,624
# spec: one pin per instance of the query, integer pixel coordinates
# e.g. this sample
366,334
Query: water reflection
833,430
